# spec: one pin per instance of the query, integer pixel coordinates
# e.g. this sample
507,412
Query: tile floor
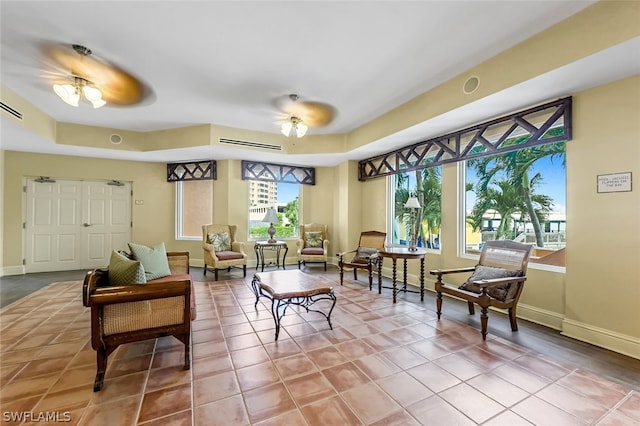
382,364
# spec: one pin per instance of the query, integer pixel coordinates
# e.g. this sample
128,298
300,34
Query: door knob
86,225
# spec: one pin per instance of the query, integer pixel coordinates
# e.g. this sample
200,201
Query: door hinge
132,224
24,261
24,225
24,189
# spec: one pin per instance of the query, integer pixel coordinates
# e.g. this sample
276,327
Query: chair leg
484,319
355,274
187,360
512,318
439,304
244,271
205,269
101,361
341,272
215,273
370,278
325,266
298,264
472,309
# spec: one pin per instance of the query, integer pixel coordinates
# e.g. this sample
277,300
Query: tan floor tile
370,403
71,378
167,377
540,412
327,357
267,402
376,366
433,377
405,389
203,367
120,387
257,376
471,402
434,411
295,365
116,412
213,388
183,418
67,399
345,376
631,406
309,388
249,356
166,401
225,412
330,412
19,389
355,349
282,348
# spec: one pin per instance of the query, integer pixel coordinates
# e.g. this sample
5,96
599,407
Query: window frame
462,223
179,211
296,227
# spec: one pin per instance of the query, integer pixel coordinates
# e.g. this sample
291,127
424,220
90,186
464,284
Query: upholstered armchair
496,281
313,244
221,250
364,257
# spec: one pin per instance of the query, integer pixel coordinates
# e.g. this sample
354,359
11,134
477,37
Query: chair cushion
313,239
124,271
317,251
153,259
221,241
488,273
228,255
363,253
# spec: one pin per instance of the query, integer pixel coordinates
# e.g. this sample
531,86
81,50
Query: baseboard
617,342
540,316
12,270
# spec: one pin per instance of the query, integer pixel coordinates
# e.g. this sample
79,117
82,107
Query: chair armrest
494,282
139,292
300,244
346,252
93,280
208,247
238,246
178,262
325,246
441,272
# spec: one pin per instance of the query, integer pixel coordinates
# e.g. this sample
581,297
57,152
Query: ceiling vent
225,141
15,113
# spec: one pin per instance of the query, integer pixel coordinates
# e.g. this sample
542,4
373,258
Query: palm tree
515,167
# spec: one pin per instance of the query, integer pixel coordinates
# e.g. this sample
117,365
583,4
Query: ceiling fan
80,73
297,116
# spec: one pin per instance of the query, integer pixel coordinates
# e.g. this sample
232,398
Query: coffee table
286,288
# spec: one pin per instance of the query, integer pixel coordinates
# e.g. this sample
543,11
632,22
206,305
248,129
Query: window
518,195
425,184
282,196
194,208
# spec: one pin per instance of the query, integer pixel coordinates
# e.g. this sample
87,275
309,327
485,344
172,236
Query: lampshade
271,216
412,203
294,123
70,93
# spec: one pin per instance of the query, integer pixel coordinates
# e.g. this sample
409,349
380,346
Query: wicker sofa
130,313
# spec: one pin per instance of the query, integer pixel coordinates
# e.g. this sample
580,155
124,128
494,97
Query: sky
287,192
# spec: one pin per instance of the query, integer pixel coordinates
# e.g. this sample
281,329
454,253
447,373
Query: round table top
402,252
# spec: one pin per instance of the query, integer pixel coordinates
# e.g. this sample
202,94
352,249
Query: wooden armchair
130,313
365,256
221,250
313,244
497,280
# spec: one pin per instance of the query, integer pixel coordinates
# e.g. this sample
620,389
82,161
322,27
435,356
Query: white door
106,222
73,225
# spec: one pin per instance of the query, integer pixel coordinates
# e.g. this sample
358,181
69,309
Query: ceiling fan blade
118,86
316,114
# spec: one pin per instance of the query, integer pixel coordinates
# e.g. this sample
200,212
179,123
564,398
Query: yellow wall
596,300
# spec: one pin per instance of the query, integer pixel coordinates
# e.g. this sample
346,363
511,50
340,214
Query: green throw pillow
313,239
153,259
124,271
221,241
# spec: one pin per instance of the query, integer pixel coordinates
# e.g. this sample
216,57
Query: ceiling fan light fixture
70,93
294,123
67,93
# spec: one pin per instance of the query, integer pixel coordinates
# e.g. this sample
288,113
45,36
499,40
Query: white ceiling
226,62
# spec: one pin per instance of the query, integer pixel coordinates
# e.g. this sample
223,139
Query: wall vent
250,144
17,114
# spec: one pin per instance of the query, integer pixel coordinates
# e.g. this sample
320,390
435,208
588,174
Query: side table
260,246
405,254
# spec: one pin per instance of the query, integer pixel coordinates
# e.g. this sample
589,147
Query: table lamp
272,218
413,204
